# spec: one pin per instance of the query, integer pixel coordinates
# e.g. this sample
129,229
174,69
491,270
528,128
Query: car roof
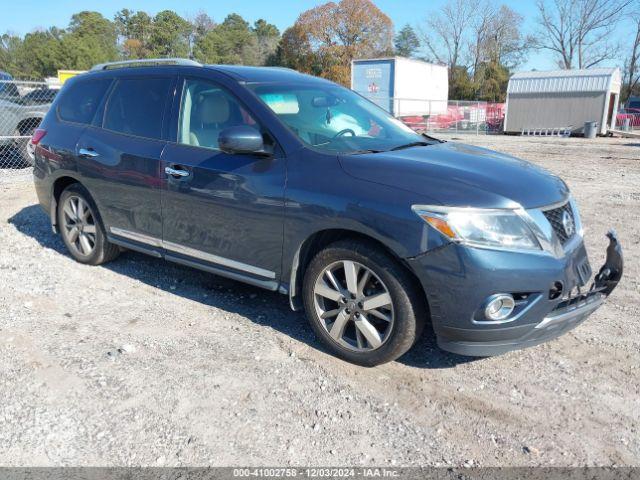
263,74
240,73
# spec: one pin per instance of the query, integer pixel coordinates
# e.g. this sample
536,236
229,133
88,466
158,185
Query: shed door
612,103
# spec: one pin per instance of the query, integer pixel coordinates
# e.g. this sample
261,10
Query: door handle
88,152
175,172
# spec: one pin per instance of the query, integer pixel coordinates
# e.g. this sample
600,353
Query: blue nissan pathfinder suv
295,184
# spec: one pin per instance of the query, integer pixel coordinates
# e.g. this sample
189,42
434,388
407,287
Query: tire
88,242
387,280
24,148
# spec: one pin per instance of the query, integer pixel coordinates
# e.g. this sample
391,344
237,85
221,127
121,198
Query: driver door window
206,110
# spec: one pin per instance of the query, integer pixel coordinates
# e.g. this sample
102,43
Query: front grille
555,217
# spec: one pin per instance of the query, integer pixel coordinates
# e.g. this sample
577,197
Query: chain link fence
457,116
452,116
628,120
23,104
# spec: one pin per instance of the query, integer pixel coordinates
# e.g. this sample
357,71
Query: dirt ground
142,362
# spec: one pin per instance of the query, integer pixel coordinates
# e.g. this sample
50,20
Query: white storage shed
562,99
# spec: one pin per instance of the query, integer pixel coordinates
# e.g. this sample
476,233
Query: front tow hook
611,272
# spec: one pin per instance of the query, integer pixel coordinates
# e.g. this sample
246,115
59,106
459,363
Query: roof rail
288,69
150,62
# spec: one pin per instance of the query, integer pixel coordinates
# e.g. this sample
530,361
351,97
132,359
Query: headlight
502,229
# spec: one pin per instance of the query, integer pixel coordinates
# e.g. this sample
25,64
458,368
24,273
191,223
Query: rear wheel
362,304
81,228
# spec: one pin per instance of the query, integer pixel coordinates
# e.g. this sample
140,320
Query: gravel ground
141,362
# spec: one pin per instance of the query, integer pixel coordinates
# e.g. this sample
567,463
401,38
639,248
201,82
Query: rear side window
79,103
136,106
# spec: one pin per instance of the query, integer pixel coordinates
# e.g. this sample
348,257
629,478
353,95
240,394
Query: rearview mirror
324,102
241,139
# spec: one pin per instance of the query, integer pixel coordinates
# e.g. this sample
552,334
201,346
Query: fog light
499,307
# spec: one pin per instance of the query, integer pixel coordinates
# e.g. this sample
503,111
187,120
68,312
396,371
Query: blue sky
26,15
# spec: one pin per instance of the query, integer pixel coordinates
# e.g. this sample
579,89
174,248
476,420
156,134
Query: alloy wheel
24,146
79,225
354,306
30,149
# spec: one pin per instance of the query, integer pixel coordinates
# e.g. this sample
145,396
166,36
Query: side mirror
241,139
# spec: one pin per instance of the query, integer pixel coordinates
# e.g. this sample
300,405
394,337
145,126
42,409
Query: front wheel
362,304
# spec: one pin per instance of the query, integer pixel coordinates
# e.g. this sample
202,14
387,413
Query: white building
563,99
402,86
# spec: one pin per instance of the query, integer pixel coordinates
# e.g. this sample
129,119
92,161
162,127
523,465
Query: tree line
91,38
481,41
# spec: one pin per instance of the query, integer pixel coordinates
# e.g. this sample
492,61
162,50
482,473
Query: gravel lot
142,362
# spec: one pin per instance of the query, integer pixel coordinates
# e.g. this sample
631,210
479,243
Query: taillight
38,135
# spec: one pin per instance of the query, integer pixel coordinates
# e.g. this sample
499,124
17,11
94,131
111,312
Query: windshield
334,119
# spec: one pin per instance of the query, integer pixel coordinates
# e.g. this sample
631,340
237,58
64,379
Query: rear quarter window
79,102
136,106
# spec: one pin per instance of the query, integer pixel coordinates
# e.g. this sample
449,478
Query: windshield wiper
433,139
409,145
370,150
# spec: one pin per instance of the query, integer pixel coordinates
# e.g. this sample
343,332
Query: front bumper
457,279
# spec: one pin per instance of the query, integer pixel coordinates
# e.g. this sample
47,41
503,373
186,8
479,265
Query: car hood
456,174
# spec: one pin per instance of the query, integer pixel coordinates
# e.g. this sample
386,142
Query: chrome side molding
192,252
138,237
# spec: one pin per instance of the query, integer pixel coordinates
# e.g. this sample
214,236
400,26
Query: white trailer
402,86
